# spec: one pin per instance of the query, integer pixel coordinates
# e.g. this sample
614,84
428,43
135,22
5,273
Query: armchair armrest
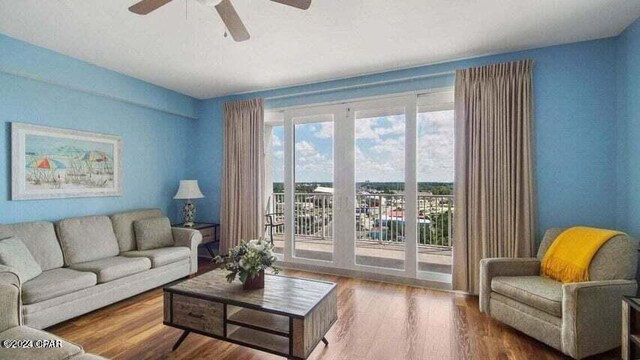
10,298
591,315
492,267
189,238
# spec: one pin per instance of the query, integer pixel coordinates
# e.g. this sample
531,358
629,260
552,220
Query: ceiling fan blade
232,21
300,4
146,6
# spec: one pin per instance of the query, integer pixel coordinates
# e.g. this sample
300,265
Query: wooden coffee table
289,317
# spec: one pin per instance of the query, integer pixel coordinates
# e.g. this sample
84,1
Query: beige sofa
579,319
11,328
90,262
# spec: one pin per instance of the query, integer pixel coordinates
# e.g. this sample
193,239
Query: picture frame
54,163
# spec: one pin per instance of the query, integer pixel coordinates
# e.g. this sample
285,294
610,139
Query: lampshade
189,190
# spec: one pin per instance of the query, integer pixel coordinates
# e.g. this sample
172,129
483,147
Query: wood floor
375,321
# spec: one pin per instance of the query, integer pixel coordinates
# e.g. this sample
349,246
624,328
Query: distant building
323,190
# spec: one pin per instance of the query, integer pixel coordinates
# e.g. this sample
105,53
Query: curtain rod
358,86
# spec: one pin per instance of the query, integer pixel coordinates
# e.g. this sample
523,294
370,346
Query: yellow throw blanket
569,256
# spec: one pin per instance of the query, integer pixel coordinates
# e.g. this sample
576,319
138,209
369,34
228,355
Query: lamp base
189,213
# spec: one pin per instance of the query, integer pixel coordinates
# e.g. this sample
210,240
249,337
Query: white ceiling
186,51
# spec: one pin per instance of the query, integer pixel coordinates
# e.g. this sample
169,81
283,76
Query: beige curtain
494,186
241,214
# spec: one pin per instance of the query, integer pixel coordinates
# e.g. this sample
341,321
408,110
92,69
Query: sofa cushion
536,291
163,256
153,233
40,238
14,253
114,267
61,348
56,282
123,226
87,238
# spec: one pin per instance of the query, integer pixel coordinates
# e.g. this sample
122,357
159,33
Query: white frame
19,131
344,256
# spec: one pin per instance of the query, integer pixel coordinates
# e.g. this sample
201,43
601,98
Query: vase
254,283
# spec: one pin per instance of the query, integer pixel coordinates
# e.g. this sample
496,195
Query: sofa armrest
189,238
8,276
591,315
10,299
492,267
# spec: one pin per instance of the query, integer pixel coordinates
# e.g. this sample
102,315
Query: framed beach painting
49,163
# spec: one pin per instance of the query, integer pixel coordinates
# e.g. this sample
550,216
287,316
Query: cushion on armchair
14,253
153,233
536,291
616,259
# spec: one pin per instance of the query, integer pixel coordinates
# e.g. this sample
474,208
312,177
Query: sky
380,147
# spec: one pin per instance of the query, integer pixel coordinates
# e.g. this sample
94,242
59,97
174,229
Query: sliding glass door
380,183
353,191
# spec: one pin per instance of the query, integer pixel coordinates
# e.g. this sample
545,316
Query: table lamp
188,190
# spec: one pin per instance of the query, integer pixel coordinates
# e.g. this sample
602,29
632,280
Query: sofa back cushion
87,239
14,253
617,259
40,238
123,226
153,233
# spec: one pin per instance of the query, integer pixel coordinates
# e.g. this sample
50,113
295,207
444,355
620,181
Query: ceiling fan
225,9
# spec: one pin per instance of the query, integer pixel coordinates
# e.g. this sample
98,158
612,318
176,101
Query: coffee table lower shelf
293,337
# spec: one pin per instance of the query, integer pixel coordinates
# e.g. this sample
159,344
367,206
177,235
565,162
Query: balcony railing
379,217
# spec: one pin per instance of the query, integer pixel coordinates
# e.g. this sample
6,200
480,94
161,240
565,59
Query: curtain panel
494,176
241,216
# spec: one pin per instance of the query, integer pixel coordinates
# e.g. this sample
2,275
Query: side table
209,233
630,328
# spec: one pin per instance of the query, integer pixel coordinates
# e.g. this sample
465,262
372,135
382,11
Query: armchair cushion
14,253
616,259
492,267
153,233
536,291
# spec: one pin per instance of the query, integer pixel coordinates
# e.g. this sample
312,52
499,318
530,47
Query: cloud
275,140
435,146
312,165
380,150
325,131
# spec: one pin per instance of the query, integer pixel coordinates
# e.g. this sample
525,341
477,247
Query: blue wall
629,129
575,133
586,115
39,86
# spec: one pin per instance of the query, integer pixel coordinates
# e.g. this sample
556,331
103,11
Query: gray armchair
579,319
11,327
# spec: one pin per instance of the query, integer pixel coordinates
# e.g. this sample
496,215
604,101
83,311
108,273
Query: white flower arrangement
248,259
